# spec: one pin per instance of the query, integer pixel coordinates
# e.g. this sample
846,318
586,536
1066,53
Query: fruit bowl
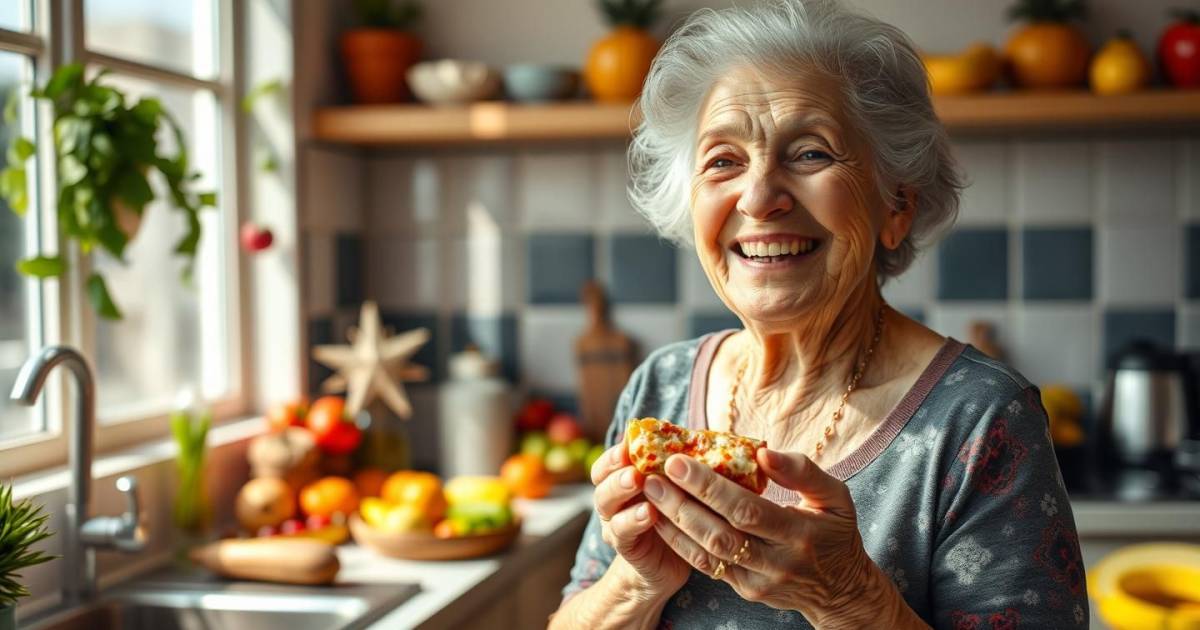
424,545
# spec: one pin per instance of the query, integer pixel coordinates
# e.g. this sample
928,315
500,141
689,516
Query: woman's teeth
759,249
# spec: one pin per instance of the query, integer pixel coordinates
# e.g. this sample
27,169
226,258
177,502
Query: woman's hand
808,558
627,525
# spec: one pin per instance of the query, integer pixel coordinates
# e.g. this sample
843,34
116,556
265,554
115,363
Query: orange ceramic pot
1047,55
376,61
618,64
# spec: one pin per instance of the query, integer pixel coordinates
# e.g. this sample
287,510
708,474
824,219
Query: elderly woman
913,483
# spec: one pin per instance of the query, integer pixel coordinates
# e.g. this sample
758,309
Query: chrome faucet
82,535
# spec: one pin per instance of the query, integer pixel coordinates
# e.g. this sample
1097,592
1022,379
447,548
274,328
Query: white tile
1056,344
650,327
557,190
1188,187
984,200
1139,265
547,341
1136,182
404,195
954,320
404,273
485,273
1052,182
916,286
333,187
319,264
696,291
616,212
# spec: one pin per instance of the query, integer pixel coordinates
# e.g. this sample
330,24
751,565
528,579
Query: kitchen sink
173,600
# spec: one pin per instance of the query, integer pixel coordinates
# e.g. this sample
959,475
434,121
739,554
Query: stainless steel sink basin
172,600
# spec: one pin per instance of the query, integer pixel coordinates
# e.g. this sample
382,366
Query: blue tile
1123,326
973,265
350,270
1057,263
1193,261
642,269
427,356
320,332
495,336
558,266
704,323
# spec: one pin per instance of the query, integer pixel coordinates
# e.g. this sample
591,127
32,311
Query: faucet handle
124,532
128,485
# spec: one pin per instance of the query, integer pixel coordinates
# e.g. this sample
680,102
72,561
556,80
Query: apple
291,526
558,459
255,238
534,415
535,443
578,448
563,428
594,454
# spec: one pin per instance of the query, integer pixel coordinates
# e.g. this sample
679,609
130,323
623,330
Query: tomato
534,415
289,414
334,432
342,439
1179,50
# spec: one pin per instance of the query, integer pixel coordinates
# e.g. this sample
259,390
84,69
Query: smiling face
786,210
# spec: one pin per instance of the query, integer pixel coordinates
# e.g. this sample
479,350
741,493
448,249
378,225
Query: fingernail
677,468
642,512
654,489
627,479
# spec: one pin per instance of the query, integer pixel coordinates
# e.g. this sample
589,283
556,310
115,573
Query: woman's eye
812,155
721,163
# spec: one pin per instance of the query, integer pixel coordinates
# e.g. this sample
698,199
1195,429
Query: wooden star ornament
375,364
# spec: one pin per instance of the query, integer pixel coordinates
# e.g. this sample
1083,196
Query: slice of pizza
651,441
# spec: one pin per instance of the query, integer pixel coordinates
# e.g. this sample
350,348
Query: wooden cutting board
605,358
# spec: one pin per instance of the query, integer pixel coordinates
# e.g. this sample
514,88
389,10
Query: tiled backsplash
1070,247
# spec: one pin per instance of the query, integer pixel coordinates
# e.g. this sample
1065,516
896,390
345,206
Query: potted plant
22,525
105,152
1049,52
379,52
618,63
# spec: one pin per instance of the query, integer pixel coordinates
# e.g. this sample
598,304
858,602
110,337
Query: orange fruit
369,482
526,476
1045,55
420,489
618,64
328,496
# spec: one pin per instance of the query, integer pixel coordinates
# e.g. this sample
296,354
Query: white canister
476,417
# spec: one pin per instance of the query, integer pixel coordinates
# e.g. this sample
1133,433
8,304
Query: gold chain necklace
837,415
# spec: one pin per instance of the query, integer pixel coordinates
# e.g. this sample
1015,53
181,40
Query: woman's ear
899,218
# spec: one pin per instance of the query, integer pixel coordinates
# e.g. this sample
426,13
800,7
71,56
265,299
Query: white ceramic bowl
452,82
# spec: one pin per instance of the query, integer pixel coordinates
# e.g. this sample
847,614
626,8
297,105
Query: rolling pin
287,560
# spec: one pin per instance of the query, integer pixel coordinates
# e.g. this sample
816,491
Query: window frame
58,38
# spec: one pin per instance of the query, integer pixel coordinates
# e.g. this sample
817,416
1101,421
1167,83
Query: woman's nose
764,198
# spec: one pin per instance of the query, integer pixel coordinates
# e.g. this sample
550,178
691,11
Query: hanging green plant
105,151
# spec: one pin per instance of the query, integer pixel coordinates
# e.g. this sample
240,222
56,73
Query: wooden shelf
491,122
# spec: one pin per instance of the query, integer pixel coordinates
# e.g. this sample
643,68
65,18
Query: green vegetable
191,511
479,517
106,151
22,525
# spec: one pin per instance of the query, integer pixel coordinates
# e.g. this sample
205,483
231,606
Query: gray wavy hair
884,89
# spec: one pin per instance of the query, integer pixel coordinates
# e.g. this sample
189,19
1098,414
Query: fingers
687,548
616,490
615,458
797,472
625,528
740,507
711,533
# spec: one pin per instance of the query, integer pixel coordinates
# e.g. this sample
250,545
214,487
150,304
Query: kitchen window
176,342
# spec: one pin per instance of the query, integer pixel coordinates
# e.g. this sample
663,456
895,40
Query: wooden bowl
426,546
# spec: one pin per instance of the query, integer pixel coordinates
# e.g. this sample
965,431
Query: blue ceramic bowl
529,82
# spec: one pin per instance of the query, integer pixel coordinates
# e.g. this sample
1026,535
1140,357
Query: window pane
16,15
17,295
173,338
179,35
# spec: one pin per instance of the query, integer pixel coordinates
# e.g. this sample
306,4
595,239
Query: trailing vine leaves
105,152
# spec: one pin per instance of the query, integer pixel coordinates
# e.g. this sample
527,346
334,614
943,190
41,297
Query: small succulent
635,13
22,525
389,14
1048,10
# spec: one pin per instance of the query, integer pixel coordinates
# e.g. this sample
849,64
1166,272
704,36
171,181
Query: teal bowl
531,83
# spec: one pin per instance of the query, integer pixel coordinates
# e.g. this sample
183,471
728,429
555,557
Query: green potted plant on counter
22,525
105,152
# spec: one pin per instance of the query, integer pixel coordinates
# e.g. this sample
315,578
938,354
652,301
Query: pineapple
618,64
1048,52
